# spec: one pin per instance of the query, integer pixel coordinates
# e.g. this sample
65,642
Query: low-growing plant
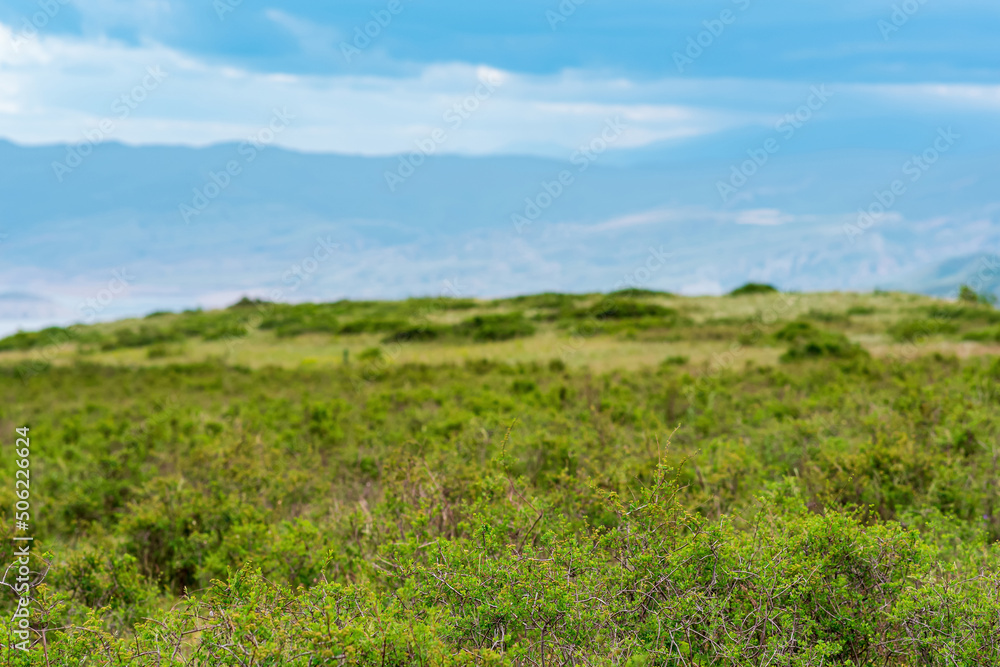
753,288
482,328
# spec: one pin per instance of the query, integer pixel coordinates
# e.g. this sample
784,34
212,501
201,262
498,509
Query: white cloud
55,88
767,217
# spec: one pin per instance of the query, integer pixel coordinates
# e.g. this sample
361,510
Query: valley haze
173,227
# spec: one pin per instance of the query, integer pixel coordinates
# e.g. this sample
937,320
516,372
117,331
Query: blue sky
698,87
564,69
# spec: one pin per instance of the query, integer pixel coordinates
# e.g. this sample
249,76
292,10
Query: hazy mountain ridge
453,219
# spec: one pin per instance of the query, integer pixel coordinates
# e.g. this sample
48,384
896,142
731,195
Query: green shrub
912,329
826,316
24,340
163,350
371,354
373,325
637,293
546,300
247,302
753,288
511,512
991,335
482,328
141,337
624,309
415,334
808,342
968,295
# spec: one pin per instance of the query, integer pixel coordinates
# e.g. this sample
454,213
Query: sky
681,92
523,77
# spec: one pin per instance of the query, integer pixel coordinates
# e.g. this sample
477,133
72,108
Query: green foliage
968,295
962,311
826,316
546,300
483,328
753,288
915,329
676,360
163,350
991,335
637,293
808,342
141,337
371,354
624,309
25,340
416,334
247,302
837,512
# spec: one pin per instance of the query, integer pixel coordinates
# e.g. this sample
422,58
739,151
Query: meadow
633,479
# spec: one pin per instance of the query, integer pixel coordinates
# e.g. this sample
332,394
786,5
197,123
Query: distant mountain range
129,230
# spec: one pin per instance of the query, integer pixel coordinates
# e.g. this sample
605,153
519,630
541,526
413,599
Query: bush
968,295
826,316
753,288
163,350
415,334
636,292
624,309
141,337
909,330
373,325
677,360
24,340
371,354
808,342
483,328
247,302
991,335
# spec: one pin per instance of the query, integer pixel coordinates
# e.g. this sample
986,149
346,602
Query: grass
627,479
630,329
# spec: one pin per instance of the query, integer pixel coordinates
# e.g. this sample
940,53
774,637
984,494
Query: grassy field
569,327
629,479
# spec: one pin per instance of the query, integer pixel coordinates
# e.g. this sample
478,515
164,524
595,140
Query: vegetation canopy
782,482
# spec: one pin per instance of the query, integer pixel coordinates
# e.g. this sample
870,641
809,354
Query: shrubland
837,505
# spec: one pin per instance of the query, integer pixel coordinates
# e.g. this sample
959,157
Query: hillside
627,329
626,479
